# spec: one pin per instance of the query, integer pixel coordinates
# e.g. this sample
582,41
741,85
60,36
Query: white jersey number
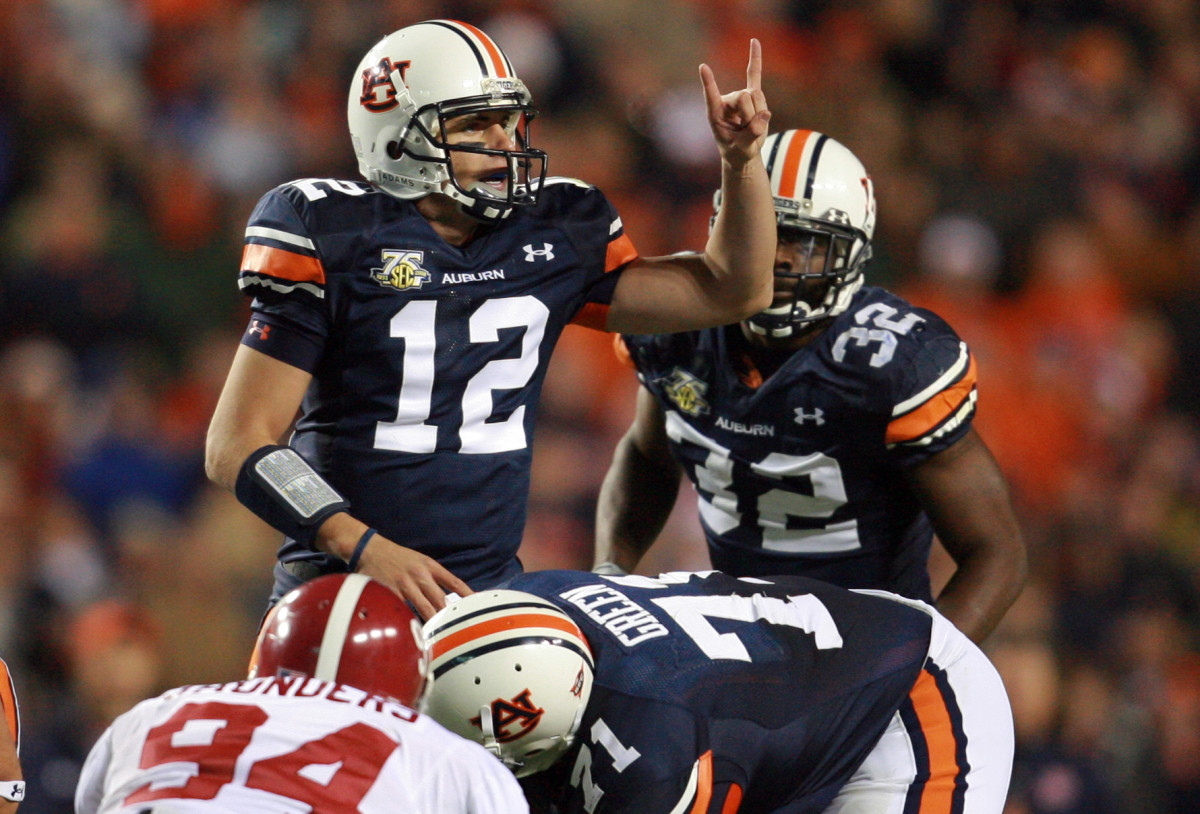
804,612
415,324
719,504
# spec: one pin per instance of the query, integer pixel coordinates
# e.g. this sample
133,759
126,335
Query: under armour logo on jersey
259,329
518,711
378,89
546,252
817,416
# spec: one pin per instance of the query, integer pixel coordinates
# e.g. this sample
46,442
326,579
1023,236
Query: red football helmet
347,628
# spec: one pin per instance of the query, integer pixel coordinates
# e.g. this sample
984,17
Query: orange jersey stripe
478,631
791,164
620,252
733,799
704,786
933,412
930,707
282,264
493,51
593,315
8,699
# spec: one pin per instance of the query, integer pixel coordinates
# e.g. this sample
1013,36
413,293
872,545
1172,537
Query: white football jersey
288,745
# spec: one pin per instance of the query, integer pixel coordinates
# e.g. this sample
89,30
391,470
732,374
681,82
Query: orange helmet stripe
491,626
492,49
790,175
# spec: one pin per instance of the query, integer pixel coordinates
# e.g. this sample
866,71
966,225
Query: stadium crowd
1038,166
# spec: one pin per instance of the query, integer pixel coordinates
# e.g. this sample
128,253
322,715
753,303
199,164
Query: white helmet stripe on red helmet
338,626
492,61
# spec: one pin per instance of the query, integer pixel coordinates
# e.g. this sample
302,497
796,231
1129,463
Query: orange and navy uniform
802,471
714,695
427,359
8,704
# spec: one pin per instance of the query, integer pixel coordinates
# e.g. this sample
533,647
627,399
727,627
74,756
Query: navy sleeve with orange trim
933,402
598,234
282,270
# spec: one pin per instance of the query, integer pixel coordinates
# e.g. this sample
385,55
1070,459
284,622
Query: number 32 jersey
427,359
804,472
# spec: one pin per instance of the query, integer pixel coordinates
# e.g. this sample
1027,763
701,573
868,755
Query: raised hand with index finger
739,119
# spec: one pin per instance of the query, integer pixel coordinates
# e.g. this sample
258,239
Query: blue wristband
352,563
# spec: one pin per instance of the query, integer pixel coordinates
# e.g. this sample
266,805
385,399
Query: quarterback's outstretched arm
639,490
964,493
257,408
732,279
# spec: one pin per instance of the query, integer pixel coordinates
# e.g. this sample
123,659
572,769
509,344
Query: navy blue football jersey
803,472
428,359
705,681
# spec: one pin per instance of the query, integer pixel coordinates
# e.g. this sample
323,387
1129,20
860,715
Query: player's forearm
740,253
635,501
982,589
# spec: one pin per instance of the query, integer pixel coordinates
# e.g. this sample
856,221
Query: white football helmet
511,671
405,89
824,199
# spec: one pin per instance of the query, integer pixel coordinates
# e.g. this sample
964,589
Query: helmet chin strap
489,733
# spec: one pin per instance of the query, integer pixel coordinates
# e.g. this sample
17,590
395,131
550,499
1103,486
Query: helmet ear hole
394,150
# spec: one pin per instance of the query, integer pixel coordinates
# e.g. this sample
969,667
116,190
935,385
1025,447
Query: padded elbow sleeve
279,486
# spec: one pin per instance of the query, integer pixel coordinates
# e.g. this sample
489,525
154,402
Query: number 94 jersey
804,472
705,682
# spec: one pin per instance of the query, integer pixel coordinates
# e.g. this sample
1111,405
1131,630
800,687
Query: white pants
949,750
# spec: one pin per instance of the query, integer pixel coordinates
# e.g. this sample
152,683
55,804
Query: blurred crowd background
1038,175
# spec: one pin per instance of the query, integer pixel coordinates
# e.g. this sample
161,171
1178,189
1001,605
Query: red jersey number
212,737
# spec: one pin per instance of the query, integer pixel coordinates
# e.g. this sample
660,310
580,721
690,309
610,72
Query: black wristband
352,563
279,486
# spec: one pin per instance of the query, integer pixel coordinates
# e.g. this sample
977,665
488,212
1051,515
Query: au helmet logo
686,392
378,89
401,270
518,712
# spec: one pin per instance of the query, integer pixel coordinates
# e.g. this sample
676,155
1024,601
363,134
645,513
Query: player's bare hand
739,119
422,580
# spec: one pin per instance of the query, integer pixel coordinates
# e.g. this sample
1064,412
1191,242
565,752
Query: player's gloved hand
609,569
